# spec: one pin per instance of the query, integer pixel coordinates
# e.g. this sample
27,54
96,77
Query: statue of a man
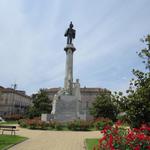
70,33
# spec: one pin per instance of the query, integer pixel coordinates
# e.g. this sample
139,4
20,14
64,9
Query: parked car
1,119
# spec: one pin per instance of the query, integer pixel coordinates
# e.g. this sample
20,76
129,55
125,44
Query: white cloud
31,41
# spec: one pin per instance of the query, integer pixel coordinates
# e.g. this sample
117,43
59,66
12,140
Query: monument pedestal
66,109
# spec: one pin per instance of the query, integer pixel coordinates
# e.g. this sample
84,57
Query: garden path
53,140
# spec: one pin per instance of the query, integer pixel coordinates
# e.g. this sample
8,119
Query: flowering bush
117,138
22,123
59,126
79,125
123,117
101,123
35,123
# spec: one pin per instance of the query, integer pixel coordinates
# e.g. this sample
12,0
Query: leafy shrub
22,123
79,125
33,123
101,123
119,138
43,125
32,112
138,99
36,123
104,106
41,104
58,126
145,128
51,124
123,117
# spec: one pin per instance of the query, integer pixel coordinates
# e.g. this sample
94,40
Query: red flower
137,147
130,138
111,142
141,136
148,147
102,139
104,131
136,129
118,123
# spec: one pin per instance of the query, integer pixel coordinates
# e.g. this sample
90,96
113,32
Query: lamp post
14,86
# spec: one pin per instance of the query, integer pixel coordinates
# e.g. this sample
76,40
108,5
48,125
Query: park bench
8,128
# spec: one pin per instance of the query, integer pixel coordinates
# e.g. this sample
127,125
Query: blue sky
108,36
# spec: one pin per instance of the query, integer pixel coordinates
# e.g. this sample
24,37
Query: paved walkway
53,140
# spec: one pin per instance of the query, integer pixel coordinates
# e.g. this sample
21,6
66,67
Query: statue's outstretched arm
66,33
74,34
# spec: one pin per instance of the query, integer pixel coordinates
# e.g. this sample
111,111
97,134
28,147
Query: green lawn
90,143
9,122
9,140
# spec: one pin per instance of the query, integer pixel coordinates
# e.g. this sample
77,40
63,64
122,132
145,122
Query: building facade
88,96
13,101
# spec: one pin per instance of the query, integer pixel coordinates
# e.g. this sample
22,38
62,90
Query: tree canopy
41,104
139,90
136,103
103,106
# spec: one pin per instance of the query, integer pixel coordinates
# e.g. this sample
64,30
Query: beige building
13,101
88,95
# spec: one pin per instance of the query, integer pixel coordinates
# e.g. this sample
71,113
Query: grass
9,122
90,143
6,141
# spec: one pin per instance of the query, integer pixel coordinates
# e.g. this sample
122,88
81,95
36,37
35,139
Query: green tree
41,104
103,106
139,91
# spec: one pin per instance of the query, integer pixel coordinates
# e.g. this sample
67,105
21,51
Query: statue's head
71,25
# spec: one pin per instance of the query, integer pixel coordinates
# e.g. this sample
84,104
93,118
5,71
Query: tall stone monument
67,101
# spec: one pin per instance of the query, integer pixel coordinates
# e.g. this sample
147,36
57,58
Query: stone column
68,83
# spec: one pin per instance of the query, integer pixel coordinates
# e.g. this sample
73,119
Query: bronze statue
70,33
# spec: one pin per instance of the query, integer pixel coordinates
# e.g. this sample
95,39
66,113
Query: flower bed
79,125
36,123
117,138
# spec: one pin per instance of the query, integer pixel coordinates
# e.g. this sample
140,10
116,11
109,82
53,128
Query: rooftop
10,90
83,89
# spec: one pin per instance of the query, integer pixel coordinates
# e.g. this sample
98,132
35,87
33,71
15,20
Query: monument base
66,109
47,117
